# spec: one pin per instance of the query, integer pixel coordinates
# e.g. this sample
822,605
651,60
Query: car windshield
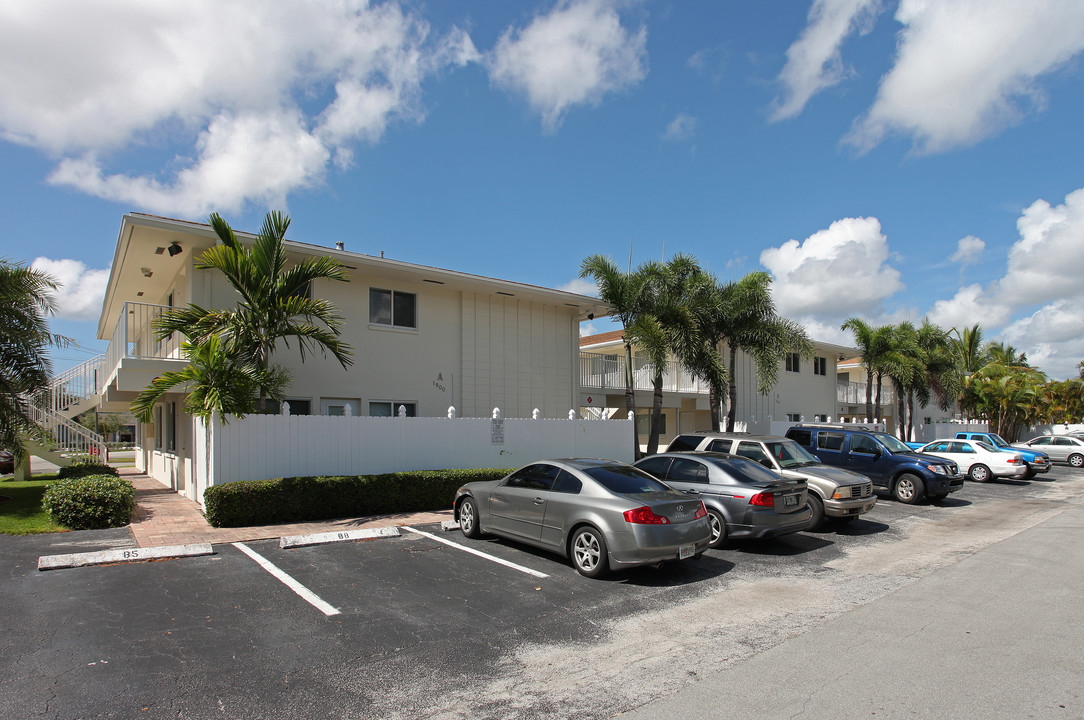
997,440
624,480
790,454
892,443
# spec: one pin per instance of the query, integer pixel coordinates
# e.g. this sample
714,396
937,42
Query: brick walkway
163,517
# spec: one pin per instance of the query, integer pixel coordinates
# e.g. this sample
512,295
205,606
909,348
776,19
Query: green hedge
85,469
297,499
90,503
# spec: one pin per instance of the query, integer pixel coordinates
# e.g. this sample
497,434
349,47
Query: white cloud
574,55
81,291
581,286
83,81
682,127
968,250
1052,337
814,61
1047,262
970,305
965,70
837,272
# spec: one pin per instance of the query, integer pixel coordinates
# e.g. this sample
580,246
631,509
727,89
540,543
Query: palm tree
217,382
629,294
865,338
276,303
755,328
26,302
666,326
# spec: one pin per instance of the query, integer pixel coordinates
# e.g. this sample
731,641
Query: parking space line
288,581
479,553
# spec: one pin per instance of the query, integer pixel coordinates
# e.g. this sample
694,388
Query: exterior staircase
71,393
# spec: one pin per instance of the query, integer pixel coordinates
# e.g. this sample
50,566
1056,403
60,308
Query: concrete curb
109,557
292,541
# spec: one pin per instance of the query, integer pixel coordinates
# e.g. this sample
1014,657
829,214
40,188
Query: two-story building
424,339
807,389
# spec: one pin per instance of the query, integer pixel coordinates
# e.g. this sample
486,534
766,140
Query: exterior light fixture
147,272
174,249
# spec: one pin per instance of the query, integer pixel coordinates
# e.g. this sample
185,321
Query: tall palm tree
759,331
629,294
666,326
26,303
276,303
865,338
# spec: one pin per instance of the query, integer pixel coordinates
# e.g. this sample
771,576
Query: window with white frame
388,408
792,362
339,406
393,308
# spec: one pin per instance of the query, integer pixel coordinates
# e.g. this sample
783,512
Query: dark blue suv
891,465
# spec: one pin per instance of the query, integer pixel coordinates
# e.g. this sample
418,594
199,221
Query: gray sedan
744,499
602,514
1065,448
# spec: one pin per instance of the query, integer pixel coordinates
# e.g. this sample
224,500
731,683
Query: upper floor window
792,362
394,308
820,366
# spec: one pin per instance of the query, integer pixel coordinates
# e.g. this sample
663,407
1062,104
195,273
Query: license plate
686,551
790,500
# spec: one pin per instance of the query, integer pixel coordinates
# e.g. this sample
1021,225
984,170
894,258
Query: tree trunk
869,395
630,401
715,397
900,410
656,415
877,415
732,392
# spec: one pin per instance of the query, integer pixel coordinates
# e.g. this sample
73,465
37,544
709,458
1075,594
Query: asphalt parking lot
412,626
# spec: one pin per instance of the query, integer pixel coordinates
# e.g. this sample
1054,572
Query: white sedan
979,460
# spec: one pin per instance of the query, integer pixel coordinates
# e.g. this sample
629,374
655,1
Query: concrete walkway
998,635
163,517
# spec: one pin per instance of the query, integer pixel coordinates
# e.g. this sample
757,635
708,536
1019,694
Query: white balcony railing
854,393
68,437
134,337
607,372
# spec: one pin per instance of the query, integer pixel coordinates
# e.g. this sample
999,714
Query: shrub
297,499
85,468
90,503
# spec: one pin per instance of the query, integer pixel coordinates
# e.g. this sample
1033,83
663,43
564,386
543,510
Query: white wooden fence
258,447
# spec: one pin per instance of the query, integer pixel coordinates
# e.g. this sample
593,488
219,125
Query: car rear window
624,480
684,442
745,471
800,435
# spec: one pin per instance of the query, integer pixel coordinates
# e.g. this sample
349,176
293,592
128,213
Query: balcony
135,348
854,393
607,372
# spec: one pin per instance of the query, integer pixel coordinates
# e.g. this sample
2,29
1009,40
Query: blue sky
891,160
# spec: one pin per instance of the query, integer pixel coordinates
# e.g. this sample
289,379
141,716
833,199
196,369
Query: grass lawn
23,514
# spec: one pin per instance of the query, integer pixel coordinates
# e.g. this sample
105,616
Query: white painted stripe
472,551
107,557
288,581
292,541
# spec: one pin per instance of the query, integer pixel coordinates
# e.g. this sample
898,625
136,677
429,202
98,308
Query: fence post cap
496,413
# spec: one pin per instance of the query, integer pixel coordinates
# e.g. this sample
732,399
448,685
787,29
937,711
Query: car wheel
589,552
979,473
1030,473
468,518
816,518
908,488
718,529
1076,460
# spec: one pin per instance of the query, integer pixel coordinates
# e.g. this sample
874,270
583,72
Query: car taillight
1013,461
645,516
701,512
763,500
